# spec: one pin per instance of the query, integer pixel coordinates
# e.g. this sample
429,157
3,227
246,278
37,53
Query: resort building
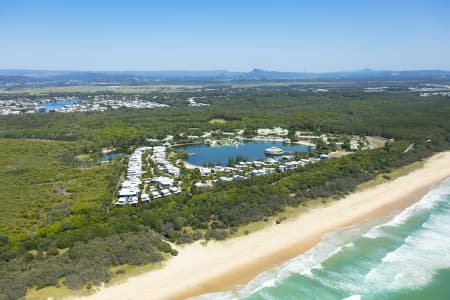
277,131
163,176
130,188
274,151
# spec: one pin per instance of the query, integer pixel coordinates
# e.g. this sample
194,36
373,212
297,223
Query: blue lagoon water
107,156
203,154
402,258
50,106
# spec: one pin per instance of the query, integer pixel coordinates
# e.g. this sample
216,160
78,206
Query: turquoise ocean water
403,257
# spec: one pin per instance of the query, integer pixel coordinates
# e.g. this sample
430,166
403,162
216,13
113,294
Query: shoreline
221,265
190,166
277,140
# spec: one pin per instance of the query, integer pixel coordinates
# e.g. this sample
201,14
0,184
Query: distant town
97,103
13,104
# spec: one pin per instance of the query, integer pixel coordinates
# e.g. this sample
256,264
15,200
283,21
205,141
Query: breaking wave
367,261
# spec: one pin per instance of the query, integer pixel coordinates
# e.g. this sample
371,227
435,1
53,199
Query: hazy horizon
291,36
221,70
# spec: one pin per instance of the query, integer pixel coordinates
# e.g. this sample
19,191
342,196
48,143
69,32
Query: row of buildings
163,186
107,104
161,177
160,158
25,105
71,104
194,103
249,169
136,188
130,188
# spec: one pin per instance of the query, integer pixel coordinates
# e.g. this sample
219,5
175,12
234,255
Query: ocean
406,256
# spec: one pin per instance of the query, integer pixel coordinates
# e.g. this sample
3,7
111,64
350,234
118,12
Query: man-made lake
202,155
53,105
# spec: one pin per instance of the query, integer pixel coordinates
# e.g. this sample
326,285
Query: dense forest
56,222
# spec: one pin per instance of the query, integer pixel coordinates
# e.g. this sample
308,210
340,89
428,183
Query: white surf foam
404,267
353,297
425,251
425,204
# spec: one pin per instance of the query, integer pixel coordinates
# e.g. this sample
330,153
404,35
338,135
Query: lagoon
107,156
202,155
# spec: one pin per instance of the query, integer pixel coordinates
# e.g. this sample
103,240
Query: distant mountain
142,77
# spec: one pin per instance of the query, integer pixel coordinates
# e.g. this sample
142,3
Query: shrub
215,234
52,251
120,271
3,240
73,281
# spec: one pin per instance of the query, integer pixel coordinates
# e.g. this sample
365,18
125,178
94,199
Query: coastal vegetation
57,226
47,192
392,115
211,215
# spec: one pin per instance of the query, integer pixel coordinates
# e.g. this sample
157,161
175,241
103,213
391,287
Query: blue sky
234,35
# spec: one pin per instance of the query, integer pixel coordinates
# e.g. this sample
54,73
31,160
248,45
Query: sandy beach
217,266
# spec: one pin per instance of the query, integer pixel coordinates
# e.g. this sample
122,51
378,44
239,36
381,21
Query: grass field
97,88
168,87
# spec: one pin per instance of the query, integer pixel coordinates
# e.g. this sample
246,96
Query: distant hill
141,77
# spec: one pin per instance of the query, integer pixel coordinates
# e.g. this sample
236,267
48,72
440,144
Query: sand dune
218,265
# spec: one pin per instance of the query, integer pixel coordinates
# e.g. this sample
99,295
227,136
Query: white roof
128,192
223,178
163,180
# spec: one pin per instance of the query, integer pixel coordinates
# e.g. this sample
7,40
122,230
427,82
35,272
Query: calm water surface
107,156
49,106
203,154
